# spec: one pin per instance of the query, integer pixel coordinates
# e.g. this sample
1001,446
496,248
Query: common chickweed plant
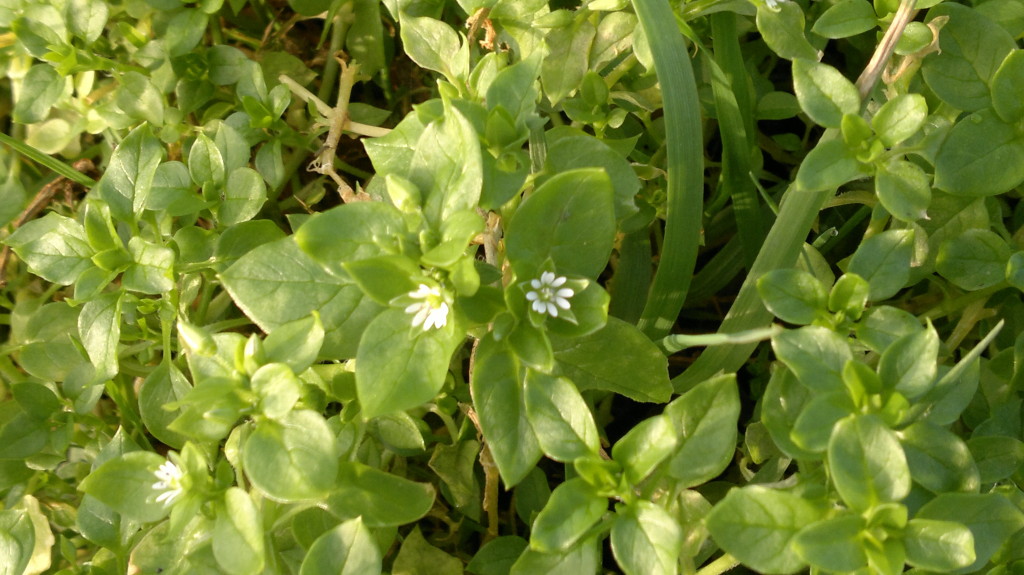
512,286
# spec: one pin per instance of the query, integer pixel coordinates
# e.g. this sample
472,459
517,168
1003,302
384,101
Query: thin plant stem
724,563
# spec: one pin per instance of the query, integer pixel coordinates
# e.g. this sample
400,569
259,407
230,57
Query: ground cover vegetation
511,286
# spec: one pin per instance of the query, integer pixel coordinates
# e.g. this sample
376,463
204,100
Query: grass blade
685,162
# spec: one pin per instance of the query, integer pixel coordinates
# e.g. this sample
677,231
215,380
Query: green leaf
566,61
846,18
399,367
125,483
997,457
1007,86
908,365
705,419
11,558
296,343
54,247
574,507
576,150
278,389
348,549
981,156
938,546
277,283
783,30
938,459
882,325
497,556
867,463
569,219
99,327
23,436
128,179
225,64
205,162
365,39
455,465
172,191
87,18
382,499
244,195
884,260
827,166
41,87
185,31
102,525
446,167
1015,270
309,8
793,295
418,557
351,232
384,278
392,154
644,447
152,270
293,458
825,95
433,45
140,99
498,399
991,517
813,428
532,346
757,525
514,88
783,402
973,260
164,385
37,399
646,539
617,358
903,189
583,558
815,354
26,540
971,48
560,418
833,544
849,296
399,432
900,118
238,535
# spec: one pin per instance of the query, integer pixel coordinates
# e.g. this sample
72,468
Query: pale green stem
718,566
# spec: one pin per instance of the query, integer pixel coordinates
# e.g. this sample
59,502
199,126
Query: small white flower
547,294
432,311
773,4
170,483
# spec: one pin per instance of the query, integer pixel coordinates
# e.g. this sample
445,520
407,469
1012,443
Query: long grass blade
49,162
685,162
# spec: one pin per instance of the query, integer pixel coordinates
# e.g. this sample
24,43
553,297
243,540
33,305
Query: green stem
685,164
338,33
718,566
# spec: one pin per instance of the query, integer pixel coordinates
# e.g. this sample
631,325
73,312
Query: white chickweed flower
547,295
170,483
773,4
432,311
